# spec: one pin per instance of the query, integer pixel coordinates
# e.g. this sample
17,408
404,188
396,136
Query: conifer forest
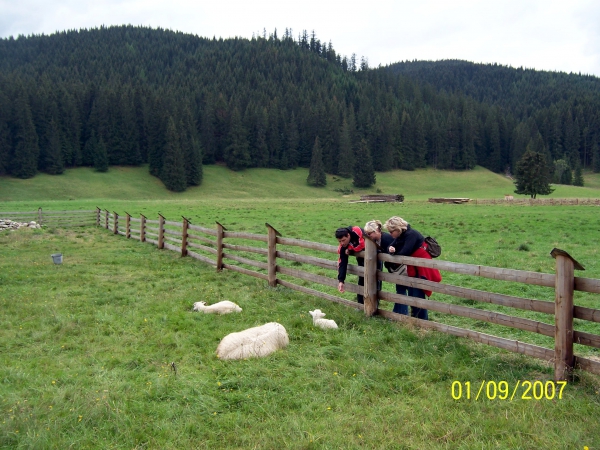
134,95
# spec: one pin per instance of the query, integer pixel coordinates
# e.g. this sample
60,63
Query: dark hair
341,232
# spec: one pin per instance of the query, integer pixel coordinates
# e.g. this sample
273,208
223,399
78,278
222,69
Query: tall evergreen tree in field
532,175
237,153
316,173
100,155
595,156
190,145
53,157
346,155
173,170
578,176
364,174
24,157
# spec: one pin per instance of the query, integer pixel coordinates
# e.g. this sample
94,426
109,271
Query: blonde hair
373,225
396,223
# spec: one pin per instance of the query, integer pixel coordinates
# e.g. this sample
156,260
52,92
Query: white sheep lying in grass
318,320
253,342
224,307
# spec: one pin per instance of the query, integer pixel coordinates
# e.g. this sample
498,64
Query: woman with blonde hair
409,242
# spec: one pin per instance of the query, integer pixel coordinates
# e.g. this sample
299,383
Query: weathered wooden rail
275,260
53,218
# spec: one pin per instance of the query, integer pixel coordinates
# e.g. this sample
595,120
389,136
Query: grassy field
86,347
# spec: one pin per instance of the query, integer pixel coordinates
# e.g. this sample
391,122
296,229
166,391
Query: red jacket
425,272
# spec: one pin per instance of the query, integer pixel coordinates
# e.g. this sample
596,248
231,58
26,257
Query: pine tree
316,173
53,159
237,153
173,170
532,175
192,153
596,156
24,157
100,156
578,177
346,156
364,174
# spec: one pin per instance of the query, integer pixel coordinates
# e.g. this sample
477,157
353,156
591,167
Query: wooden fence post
115,223
184,236
370,288
106,219
40,218
98,213
220,233
142,228
127,225
161,231
272,255
563,313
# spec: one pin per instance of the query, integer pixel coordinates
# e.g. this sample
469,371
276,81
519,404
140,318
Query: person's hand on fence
341,287
391,249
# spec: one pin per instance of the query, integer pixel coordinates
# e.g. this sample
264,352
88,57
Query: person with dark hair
351,239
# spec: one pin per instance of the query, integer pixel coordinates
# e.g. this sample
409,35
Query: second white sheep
318,320
224,307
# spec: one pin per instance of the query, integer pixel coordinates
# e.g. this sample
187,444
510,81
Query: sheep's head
198,306
317,314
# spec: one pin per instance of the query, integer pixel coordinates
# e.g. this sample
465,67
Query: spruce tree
532,175
173,170
316,173
364,174
53,158
578,176
237,153
24,158
595,157
346,156
100,156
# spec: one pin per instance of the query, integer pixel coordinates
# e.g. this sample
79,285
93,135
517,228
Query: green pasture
86,347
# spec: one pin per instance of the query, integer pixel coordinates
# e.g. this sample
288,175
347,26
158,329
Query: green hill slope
85,186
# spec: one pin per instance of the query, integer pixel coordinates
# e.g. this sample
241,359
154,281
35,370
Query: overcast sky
557,35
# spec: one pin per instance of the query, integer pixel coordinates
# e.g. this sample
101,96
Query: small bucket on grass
57,258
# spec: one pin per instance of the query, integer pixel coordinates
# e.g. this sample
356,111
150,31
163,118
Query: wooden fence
275,263
53,218
538,201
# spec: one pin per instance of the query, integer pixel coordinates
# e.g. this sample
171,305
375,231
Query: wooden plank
316,293
589,365
587,285
249,236
518,276
319,262
506,344
154,222
203,247
171,247
472,313
252,273
307,244
581,312
174,224
172,232
471,294
203,230
319,279
250,262
151,234
152,241
201,238
370,280
245,248
173,239
589,339
202,258
272,254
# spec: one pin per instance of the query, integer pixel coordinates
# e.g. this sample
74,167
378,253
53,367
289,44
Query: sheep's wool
254,342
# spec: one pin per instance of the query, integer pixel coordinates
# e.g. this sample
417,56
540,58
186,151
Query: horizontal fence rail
76,218
270,257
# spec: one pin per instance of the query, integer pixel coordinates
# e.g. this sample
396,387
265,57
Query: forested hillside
132,95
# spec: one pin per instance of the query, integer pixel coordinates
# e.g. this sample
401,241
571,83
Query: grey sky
558,35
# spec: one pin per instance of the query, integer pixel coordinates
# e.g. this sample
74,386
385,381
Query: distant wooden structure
449,200
398,198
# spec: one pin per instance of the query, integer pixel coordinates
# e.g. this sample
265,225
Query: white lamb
253,342
224,307
318,320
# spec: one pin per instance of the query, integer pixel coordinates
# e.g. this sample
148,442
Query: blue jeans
399,308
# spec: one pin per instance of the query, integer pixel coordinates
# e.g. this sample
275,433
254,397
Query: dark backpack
433,248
